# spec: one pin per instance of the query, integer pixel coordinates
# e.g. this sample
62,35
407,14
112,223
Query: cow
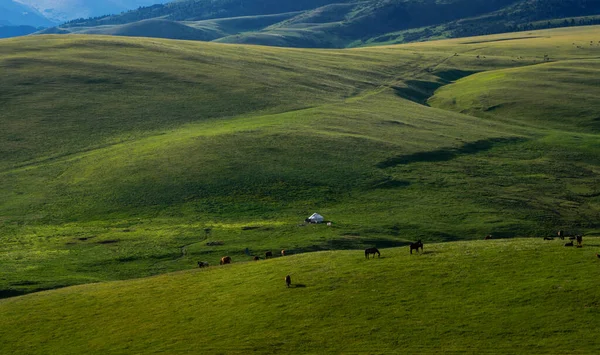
256,258
225,260
569,244
288,280
202,264
282,252
268,255
548,238
488,237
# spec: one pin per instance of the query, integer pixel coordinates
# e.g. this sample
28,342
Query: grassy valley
123,158
118,154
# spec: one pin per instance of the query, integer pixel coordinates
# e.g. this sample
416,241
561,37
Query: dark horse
373,251
416,245
288,280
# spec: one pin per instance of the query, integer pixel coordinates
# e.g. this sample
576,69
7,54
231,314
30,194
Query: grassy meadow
126,158
509,296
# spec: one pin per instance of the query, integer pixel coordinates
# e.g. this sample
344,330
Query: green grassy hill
125,157
494,296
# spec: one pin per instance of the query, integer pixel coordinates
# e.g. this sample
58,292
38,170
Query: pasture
117,154
494,296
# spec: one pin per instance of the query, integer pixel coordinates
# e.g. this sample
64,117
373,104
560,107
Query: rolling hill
128,157
339,24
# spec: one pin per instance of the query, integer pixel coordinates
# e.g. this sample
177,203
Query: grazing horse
282,252
416,245
225,260
268,255
373,251
288,280
202,264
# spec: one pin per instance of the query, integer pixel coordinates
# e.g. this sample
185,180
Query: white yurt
316,218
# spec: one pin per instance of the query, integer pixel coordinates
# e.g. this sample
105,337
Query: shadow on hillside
449,153
451,75
11,293
14,292
420,91
297,286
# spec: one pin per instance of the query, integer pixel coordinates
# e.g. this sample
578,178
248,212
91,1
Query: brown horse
288,280
225,260
373,251
416,245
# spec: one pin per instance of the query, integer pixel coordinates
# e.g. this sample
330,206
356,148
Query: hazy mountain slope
16,14
14,31
205,30
522,15
158,28
64,10
323,23
206,9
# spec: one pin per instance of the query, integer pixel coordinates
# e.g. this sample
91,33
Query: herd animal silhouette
412,246
561,235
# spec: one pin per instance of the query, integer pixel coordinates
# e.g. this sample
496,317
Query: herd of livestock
269,254
412,246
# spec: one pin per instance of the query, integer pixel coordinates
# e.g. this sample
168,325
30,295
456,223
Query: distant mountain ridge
65,10
14,31
333,23
13,13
